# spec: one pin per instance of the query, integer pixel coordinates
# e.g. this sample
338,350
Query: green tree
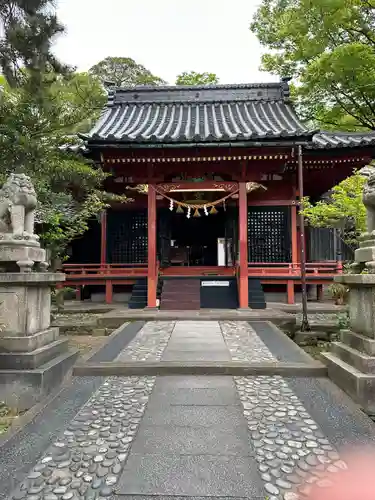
194,78
343,210
41,104
28,29
82,98
124,72
329,48
33,140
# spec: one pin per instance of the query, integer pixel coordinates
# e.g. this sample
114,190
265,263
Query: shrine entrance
199,241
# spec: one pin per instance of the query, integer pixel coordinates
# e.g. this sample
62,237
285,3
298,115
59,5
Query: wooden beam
168,187
270,203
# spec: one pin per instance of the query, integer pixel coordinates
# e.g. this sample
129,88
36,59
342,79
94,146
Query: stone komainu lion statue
17,207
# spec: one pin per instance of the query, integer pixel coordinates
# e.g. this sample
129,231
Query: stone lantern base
351,362
33,358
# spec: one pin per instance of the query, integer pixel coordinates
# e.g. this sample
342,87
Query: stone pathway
198,436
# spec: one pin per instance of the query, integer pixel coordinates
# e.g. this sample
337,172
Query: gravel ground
319,318
75,319
86,344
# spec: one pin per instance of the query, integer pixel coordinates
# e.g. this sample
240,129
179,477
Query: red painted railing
272,273
101,270
287,269
266,269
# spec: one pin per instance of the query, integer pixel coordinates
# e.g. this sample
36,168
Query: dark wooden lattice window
269,234
127,237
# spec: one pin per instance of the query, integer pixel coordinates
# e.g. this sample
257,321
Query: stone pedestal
33,358
351,362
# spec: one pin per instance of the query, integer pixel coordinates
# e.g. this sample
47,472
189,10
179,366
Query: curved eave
342,140
281,141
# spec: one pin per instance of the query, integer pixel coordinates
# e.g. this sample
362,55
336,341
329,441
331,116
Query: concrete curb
231,368
114,320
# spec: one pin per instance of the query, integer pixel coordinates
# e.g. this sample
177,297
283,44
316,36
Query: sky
166,36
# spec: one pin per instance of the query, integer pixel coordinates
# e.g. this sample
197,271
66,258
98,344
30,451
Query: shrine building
215,174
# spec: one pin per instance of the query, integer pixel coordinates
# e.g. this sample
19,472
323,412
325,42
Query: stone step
39,382
359,386
181,289
33,359
180,306
360,342
182,294
363,362
29,343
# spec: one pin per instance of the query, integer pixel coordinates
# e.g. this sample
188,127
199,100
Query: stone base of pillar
34,359
22,389
351,362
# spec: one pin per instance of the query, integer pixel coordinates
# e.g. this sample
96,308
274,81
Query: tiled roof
332,140
209,114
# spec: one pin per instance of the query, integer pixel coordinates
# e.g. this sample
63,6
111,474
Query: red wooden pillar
103,237
293,222
151,269
242,226
293,219
103,255
108,291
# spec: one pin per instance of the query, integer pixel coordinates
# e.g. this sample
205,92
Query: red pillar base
290,292
108,292
319,293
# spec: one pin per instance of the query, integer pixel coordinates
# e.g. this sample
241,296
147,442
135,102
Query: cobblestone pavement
162,435
243,342
290,449
85,462
149,343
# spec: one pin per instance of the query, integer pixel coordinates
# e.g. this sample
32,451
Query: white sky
166,36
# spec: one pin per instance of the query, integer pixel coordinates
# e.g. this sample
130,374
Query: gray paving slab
223,396
187,475
187,440
195,341
164,384
341,420
226,417
280,345
194,355
194,345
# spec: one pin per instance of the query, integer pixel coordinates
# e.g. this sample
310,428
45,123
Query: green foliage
34,140
194,78
124,72
339,292
28,29
81,97
344,210
42,103
328,47
343,320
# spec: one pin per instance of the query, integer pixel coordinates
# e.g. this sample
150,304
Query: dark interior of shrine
195,239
